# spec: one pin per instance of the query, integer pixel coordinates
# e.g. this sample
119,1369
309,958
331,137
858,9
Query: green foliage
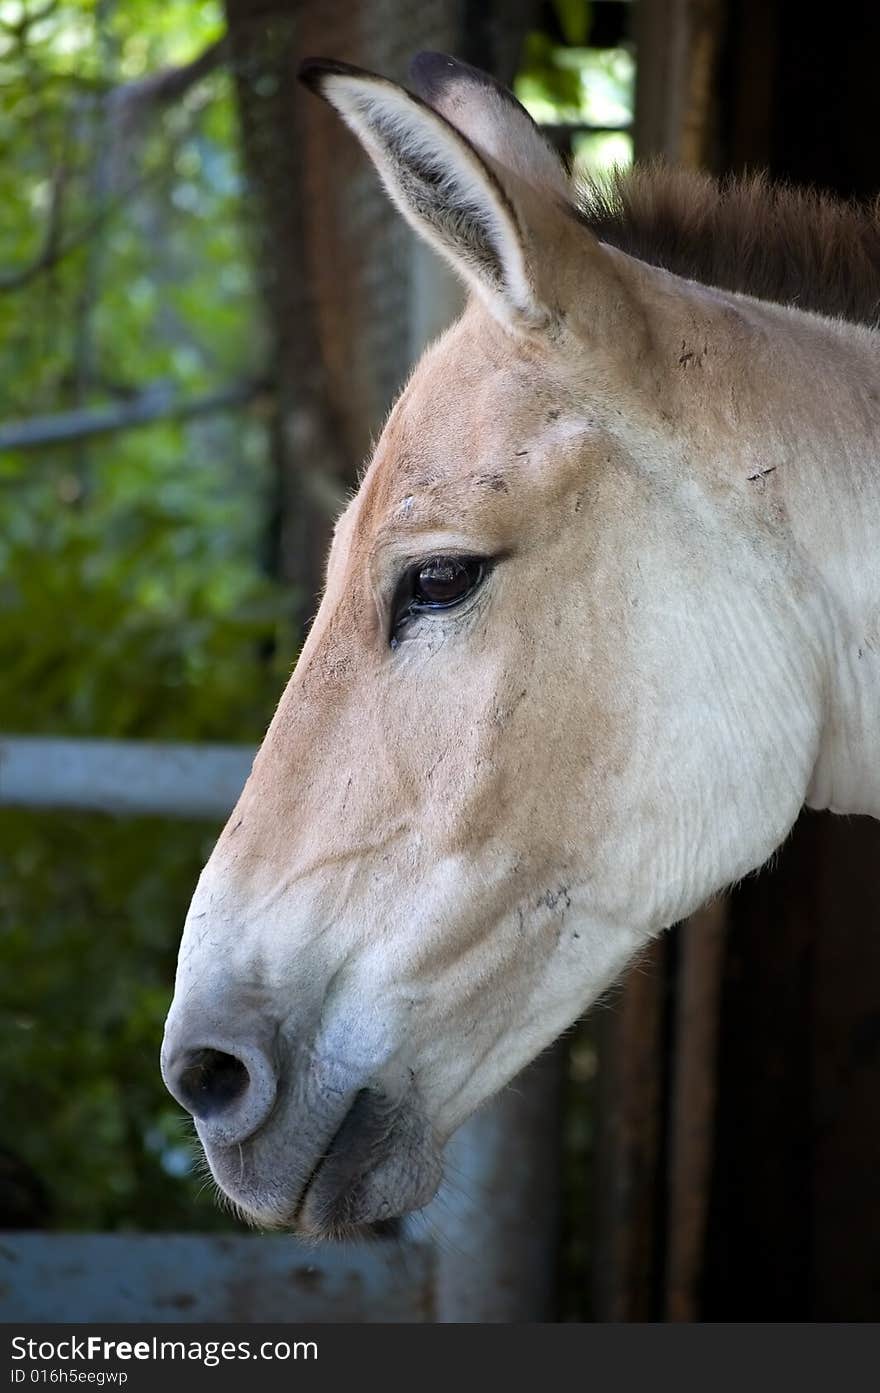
580,86
90,910
574,18
545,81
133,600
569,84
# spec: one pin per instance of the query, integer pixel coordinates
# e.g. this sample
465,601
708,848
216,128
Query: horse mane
793,246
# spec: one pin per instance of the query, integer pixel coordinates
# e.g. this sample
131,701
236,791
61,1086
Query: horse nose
228,1087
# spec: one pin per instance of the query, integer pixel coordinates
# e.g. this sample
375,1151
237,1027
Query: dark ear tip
312,72
431,71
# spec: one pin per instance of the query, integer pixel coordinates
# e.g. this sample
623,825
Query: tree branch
55,246
157,403
127,107
165,86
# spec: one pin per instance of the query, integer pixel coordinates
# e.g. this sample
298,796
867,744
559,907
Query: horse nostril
211,1082
229,1086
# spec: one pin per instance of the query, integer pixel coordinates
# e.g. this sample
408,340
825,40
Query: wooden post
691,1107
677,48
626,1254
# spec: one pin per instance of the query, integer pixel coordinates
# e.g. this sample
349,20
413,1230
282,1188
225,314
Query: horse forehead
463,413
474,386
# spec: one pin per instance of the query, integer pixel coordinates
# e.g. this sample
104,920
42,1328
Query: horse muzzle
301,1141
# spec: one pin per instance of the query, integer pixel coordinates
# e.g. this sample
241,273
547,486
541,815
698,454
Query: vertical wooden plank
691,1107
626,1253
795,1222
677,48
759,1250
845,1072
749,79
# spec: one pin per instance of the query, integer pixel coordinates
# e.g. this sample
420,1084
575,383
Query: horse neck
822,439
785,406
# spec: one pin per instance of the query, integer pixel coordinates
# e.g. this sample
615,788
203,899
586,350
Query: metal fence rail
201,1277
122,776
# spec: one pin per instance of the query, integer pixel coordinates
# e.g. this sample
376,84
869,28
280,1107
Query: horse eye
445,580
440,583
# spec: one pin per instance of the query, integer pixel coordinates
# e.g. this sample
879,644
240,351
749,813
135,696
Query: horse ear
491,118
449,193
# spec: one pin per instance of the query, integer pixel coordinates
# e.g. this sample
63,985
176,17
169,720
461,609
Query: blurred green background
133,593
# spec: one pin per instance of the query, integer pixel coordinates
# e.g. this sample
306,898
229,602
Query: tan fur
448,848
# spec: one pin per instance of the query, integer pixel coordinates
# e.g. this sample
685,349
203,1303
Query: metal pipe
122,776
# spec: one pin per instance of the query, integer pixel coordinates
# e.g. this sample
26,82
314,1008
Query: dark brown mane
789,245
